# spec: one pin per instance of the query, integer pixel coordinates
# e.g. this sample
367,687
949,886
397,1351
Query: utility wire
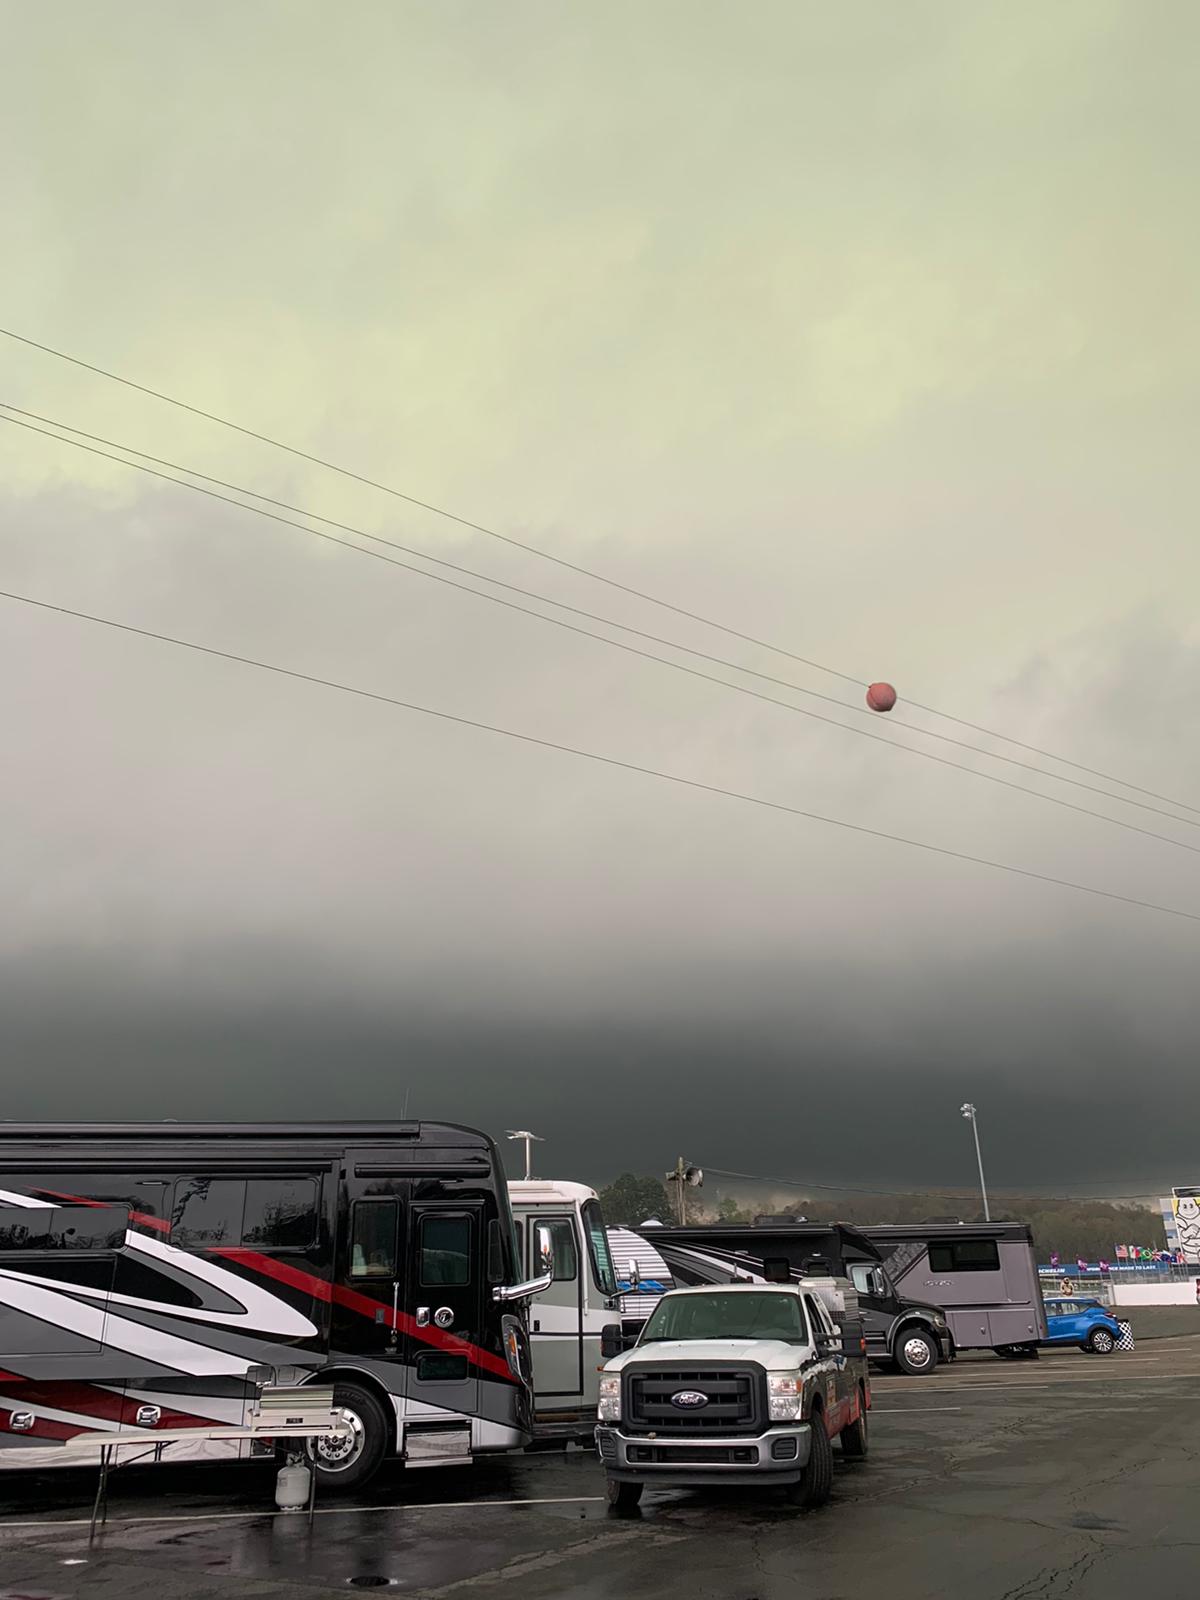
920,1194
560,605
570,566
592,755
558,622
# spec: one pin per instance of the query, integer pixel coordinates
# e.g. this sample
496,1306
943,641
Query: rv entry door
444,1307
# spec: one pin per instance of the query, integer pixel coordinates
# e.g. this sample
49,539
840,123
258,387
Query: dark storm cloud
877,343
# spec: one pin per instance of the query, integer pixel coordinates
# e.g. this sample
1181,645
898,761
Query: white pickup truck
737,1383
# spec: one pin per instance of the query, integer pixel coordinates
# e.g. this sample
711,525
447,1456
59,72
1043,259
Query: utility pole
530,1139
968,1111
684,1178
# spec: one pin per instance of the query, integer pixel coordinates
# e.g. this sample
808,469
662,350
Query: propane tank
292,1486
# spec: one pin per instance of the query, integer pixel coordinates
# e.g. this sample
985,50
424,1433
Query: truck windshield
726,1316
597,1238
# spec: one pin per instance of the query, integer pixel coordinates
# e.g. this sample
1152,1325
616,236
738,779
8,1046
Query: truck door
444,1306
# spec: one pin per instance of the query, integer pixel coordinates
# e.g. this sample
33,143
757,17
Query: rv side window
280,1213
519,1227
207,1211
964,1255
562,1239
445,1251
601,1256
373,1239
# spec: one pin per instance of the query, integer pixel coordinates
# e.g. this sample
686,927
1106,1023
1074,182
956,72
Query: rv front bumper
780,1454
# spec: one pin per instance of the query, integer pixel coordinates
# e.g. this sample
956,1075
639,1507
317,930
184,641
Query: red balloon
881,697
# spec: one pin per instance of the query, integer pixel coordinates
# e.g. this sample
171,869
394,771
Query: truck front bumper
780,1454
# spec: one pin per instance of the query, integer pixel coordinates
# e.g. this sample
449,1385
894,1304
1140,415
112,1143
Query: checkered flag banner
1125,1341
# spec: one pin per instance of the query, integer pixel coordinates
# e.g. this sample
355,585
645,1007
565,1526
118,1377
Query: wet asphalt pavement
988,1480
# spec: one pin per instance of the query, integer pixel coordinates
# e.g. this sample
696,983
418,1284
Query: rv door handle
422,1316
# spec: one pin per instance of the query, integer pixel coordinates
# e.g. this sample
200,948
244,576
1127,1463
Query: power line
592,755
558,622
570,566
947,1193
560,605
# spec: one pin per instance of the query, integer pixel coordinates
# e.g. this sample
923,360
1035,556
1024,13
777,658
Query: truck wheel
1100,1342
816,1484
854,1438
915,1351
624,1496
343,1465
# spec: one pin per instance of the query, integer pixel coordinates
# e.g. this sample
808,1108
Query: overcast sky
870,330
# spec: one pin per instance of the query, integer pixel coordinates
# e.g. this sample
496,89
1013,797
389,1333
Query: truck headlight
784,1395
609,1407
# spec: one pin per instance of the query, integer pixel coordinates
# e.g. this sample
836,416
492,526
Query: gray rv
982,1274
911,1333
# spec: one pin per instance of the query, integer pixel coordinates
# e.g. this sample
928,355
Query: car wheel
346,1464
915,1351
854,1438
816,1482
1100,1342
624,1496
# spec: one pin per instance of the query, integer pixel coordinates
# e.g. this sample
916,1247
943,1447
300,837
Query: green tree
728,1210
629,1200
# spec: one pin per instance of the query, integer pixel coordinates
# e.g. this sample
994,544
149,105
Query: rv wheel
345,1464
915,1351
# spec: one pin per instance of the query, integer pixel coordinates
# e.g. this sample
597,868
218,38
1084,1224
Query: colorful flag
1054,1258
1122,1252
1104,1266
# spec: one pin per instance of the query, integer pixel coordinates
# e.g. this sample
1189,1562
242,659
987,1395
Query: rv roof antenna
529,1138
404,1109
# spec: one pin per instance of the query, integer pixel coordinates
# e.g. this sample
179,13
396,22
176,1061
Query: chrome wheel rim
917,1352
1103,1341
336,1452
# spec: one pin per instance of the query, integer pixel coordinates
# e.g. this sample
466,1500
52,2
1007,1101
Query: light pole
530,1139
968,1111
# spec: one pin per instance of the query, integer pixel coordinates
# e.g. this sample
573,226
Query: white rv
574,1325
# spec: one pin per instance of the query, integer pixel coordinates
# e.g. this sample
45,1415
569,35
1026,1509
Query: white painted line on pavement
321,1511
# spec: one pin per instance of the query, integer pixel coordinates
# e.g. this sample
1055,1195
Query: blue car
1083,1322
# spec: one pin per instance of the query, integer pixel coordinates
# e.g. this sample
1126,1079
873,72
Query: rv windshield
722,1315
602,1267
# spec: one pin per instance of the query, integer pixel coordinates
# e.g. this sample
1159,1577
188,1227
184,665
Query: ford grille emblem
689,1399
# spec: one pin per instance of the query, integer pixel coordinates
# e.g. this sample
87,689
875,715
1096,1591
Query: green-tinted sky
870,329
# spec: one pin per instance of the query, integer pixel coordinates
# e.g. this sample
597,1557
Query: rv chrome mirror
505,1292
545,1249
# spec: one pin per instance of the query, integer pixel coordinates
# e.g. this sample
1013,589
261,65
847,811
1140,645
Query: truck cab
737,1383
577,1316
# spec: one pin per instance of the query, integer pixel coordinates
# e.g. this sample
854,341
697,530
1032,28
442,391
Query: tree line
1071,1229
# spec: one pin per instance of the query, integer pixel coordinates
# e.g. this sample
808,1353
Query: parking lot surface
991,1480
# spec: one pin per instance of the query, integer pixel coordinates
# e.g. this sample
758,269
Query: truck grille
734,1402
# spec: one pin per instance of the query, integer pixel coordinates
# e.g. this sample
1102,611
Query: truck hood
773,1354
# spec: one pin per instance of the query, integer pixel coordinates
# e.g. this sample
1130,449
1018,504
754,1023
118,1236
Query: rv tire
345,1469
915,1350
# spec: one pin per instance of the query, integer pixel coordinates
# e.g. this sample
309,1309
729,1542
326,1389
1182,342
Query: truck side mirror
612,1340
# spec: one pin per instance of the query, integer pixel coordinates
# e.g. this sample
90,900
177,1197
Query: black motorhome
147,1269
911,1333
